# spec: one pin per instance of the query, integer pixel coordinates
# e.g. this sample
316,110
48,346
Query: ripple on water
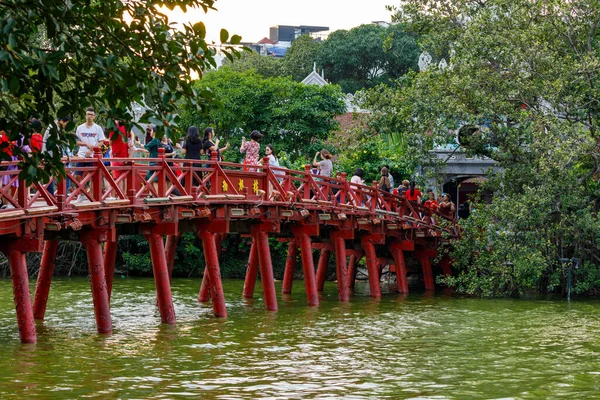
399,347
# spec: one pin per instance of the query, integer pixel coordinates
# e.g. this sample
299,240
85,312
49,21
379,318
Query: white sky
252,18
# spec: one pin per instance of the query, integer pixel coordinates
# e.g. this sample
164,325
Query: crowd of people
118,144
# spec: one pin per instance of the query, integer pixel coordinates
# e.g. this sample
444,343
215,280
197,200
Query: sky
252,18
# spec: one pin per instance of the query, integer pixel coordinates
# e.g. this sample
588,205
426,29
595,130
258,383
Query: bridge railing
98,183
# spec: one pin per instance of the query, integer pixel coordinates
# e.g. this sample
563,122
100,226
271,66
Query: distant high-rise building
288,33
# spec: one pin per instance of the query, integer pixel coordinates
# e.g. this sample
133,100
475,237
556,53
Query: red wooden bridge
162,198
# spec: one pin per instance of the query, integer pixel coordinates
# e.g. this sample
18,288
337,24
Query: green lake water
400,347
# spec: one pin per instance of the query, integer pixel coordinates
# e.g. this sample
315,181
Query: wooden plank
41,210
85,204
11,214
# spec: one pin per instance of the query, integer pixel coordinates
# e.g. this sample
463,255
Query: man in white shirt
88,134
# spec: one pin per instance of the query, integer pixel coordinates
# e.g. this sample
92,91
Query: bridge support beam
352,271
368,244
446,265
161,277
212,273
425,256
308,266
398,249
261,239
20,280
171,249
251,272
91,240
322,268
110,258
44,279
204,294
341,270
290,267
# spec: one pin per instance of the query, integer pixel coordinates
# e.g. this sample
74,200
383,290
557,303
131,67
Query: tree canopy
289,113
57,58
524,75
367,55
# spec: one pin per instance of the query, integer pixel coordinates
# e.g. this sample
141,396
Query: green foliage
300,57
290,114
367,55
57,58
267,67
522,77
370,152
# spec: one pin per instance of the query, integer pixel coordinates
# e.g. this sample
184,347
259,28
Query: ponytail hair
412,188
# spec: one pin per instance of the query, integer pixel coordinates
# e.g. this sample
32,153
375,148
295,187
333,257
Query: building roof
314,78
266,40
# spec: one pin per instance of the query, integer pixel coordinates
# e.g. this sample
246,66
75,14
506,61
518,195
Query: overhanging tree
59,57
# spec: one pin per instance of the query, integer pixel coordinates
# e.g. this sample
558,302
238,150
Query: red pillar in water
171,250
251,272
266,268
161,278
213,273
290,266
322,268
308,266
204,295
424,257
401,281
20,280
372,266
110,258
352,271
91,242
446,265
341,270
44,278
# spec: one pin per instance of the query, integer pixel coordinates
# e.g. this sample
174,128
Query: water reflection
402,346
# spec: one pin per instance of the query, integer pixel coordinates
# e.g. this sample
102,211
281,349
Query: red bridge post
91,241
213,273
44,278
251,272
341,269
352,271
368,244
424,255
204,294
290,266
161,276
261,239
20,280
322,267
308,266
110,258
171,249
446,265
398,254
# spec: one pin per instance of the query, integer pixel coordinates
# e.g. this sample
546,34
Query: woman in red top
36,140
431,203
413,194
